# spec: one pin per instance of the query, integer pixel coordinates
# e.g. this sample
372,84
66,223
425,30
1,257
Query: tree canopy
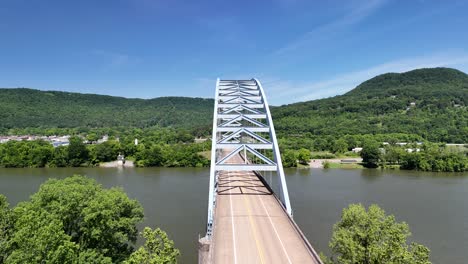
372,237
73,220
24,108
158,249
157,147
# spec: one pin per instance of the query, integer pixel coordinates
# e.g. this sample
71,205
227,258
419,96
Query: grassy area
349,154
322,155
329,155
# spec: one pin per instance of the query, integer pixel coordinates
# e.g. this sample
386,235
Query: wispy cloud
113,60
325,31
282,91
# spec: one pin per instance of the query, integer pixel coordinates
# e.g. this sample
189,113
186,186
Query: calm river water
435,205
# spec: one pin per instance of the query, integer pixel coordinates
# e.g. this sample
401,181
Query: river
435,205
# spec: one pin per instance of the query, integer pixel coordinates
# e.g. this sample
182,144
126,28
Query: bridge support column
204,245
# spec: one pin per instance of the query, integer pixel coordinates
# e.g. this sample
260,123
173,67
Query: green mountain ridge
22,107
430,103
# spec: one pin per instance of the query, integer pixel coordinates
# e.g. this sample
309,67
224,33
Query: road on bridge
251,226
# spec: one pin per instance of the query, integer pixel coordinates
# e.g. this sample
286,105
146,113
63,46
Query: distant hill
21,108
431,103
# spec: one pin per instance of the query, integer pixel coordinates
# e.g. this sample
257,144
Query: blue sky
299,49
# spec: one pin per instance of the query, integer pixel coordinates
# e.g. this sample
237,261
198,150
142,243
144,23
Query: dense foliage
424,157
372,237
370,154
28,108
5,228
74,220
158,249
434,158
157,147
18,154
383,105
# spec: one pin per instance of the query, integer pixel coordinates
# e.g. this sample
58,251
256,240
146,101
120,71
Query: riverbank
115,164
345,163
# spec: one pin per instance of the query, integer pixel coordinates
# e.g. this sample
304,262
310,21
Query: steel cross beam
242,125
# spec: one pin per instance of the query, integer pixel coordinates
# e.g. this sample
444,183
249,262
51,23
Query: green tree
371,237
75,218
39,153
92,256
158,249
59,157
25,153
370,154
77,152
340,146
38,237
92,137
6,222
150,156
393,154
304,156
107,151
289,158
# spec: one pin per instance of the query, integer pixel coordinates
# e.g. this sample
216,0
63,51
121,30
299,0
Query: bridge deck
251,226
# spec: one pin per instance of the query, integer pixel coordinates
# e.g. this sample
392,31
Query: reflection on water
303,172
435,205
371,174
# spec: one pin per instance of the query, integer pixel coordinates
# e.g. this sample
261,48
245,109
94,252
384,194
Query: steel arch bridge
247,221
241,119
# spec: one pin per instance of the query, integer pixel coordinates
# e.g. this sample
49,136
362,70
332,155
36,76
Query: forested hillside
21,108
421,104
430,103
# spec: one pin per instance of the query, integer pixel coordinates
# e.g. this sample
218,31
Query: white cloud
320,33
281,91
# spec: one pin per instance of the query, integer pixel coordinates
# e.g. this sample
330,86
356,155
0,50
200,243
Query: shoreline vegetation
174,148
394,120
162,147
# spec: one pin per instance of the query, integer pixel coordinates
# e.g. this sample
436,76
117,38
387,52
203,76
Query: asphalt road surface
251,226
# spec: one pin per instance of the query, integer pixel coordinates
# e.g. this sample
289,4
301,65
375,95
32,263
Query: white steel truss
242,125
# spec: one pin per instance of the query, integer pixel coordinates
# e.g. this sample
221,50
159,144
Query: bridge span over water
249,212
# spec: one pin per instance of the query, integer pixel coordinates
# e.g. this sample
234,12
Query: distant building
60,143
411,150
455,145
356,150
200,140
105,138
136,141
